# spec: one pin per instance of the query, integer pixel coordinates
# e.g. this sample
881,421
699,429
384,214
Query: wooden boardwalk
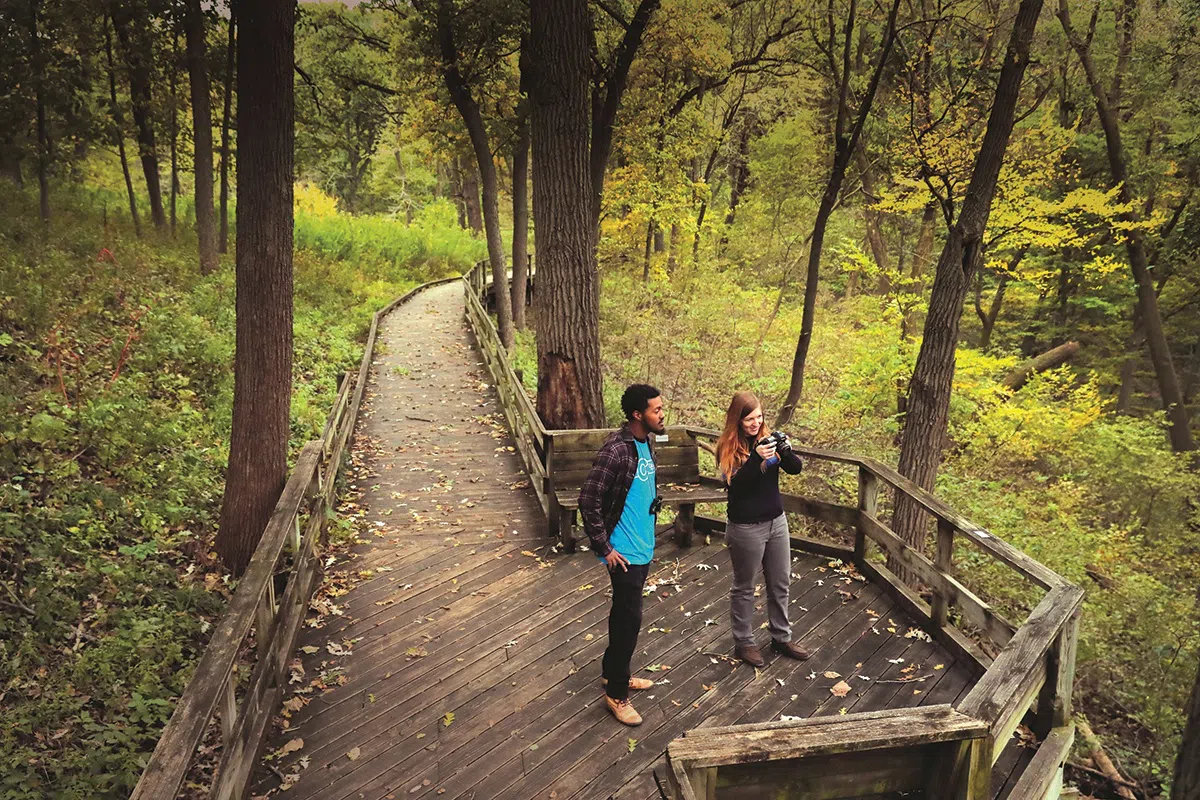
453,655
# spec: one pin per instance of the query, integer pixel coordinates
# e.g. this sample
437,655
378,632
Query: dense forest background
774,184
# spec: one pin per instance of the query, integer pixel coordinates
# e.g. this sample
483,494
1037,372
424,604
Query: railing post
944,561
868,503
229,709
1054,702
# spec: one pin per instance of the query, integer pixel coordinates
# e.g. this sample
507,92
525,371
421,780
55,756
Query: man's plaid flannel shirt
602,497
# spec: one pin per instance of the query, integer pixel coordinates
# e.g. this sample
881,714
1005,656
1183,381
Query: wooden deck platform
462,660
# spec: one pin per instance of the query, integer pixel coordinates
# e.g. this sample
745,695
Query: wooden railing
1028,679
291,547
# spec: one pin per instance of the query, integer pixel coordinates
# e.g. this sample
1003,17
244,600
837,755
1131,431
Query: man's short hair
637,397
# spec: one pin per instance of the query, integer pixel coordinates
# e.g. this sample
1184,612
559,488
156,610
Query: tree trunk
136,55
520,197
606,100
844,147
456,190
201,135
1160,351
119,130
873,218
472,117
469,181
987,319
928,403
647,251
920,263
174,129
739,173
263,366
1047,360
226,112
568,294
1186,783
43,133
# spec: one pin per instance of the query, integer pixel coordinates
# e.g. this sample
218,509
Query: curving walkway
453,654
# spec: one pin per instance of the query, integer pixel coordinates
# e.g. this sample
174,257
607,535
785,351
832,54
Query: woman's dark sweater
754,492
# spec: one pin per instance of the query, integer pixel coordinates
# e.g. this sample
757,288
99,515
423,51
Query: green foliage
115,402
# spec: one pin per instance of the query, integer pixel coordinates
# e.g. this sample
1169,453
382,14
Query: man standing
618,503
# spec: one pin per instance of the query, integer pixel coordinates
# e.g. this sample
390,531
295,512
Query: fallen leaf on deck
309,649
831,674
448,719
840,689
291,747
354,753
657,667
631,744
416,652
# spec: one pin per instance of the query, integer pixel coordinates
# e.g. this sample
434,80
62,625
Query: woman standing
757,532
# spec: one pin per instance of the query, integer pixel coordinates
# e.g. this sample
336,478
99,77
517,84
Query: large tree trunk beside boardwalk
1135,247
226,112
568,291
928,403
472,117
469,185
124,17
206,228
263,366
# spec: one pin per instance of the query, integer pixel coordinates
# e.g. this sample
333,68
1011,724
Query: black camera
782,443
655,506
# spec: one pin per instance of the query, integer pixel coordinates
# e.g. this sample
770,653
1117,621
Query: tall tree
263,364
608,87
520,193
845,144
130,23
119,129
197,59
226,113
928,402
446,20
1107,107
568,293
43,130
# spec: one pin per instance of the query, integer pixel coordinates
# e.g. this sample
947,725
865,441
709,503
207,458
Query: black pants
624,622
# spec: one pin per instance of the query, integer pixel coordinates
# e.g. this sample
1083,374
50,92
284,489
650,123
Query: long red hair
733,448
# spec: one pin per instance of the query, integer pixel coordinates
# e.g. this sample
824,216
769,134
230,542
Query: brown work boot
750,654
624,712
789,649
634,683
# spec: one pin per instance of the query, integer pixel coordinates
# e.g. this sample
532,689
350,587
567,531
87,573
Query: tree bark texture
469,183
1135,246
1186,783
226,113
206,228
929,389
174,131
263,366
119,130
567,299
472,117
137,54
1050,359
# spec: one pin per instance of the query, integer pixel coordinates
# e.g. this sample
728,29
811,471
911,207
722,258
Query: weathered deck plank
512,647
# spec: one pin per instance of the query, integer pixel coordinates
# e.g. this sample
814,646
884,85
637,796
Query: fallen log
1103,763
1047,360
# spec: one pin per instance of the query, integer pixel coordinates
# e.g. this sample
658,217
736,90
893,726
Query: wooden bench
569,457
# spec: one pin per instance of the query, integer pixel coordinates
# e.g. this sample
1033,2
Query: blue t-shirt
634,535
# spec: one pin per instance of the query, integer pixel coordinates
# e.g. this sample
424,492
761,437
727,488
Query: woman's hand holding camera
765,449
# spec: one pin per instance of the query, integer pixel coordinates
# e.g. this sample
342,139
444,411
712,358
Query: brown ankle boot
750,654
789,649
624,712
634,683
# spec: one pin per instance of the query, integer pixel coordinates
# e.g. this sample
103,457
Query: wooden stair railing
297,530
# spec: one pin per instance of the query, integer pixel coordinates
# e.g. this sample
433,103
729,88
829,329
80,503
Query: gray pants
766,545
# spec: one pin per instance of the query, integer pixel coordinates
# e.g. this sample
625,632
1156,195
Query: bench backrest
571,453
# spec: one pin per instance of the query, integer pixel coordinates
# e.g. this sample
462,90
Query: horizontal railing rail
297,527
